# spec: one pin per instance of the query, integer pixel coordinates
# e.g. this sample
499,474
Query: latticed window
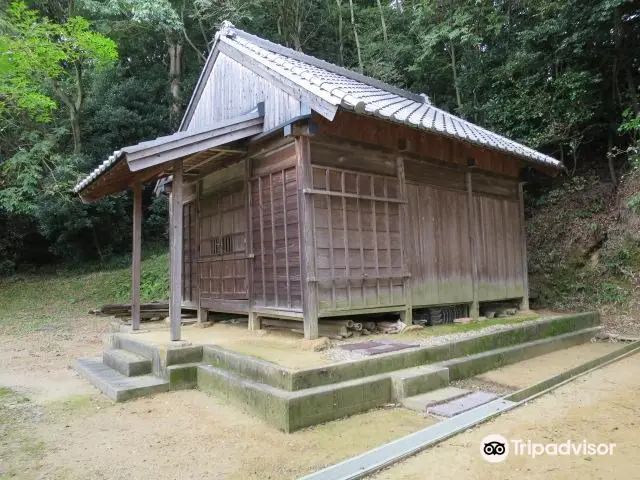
222,245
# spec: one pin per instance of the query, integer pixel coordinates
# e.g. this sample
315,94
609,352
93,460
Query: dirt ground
601,407
53,424
523,374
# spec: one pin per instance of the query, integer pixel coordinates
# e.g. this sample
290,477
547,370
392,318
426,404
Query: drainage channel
390,453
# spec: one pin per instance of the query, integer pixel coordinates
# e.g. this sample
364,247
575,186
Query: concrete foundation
293,399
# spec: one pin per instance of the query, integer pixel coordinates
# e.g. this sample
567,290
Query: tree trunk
176,67
74,119
454,68
384,24
340,39
355,35
633,92
611,157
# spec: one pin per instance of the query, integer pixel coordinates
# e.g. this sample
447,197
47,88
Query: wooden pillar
175,251
254,319
474,312
307,251
136,256
202,313
524,304
407,315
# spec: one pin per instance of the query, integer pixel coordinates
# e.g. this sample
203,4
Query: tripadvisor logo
495,448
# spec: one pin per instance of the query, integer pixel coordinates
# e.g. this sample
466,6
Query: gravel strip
337,354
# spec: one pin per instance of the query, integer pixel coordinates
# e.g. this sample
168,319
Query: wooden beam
254,319
307,228
407,315
136,256
524,304
175,249
475,303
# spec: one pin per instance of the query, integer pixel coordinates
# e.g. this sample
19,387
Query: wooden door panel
223,260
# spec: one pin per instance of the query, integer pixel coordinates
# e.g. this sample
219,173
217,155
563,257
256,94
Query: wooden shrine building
302,190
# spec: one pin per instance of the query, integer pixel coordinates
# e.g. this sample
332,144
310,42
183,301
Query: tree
43,61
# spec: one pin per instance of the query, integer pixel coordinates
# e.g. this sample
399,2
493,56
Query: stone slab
462,404
127,363
116,386
420,403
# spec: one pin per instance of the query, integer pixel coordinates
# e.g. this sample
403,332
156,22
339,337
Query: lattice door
223,259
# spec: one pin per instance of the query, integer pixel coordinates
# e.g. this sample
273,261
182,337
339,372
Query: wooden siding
358,246
439,245
275,231
499,248
189,254
223,259
232,90
426,145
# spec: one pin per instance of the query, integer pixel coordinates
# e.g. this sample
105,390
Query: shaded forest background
82,78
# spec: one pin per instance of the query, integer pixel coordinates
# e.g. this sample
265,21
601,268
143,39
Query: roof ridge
228,29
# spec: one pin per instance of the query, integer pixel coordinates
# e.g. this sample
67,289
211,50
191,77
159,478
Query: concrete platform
290,399
115,385
421,402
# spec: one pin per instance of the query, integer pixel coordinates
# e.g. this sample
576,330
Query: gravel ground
338,354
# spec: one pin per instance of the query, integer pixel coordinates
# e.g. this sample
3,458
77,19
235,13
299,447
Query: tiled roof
356,92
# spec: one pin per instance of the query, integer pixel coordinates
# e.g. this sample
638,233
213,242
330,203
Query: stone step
420,403
462,404
114,384
414,381
127,363
293,410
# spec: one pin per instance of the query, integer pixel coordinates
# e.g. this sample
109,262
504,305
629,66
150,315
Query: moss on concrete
182,377
411,358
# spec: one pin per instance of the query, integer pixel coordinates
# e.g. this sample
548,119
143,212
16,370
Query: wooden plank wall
437,240
439,245
223,261
499,247
189,254
358,245
232,89
426,145
275,230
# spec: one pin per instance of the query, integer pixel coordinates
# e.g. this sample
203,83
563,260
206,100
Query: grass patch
43,302
20,449
75,405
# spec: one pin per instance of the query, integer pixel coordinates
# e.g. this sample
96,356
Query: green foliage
71,292
559,75
43,59
633,203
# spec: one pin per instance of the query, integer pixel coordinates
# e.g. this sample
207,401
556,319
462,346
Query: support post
254,320
474,312
406,316
524,304
307,250
175,251
136,256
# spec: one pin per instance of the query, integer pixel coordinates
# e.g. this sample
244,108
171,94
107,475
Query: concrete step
420,403
127,363
114,384
414,381
462,404
293,410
